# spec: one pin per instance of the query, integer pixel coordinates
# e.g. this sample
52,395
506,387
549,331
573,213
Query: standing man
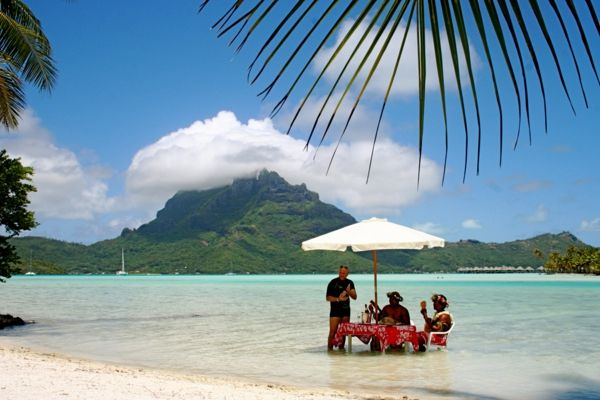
339,292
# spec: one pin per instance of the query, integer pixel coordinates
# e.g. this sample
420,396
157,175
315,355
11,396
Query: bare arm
351,292
443,323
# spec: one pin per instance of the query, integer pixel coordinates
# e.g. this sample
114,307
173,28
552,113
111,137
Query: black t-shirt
335,288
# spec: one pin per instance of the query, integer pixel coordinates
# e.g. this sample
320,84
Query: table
388,335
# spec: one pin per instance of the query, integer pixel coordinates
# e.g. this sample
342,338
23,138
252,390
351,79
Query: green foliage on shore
256,226
15,186
576,259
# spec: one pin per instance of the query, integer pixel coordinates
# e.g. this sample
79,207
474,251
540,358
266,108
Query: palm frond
510,33
506,15
380,33
584,40
519,17
542,24
391,80
456,66
12,98
27,50
333,57
495,20
437,47
566,34
25,57
461,26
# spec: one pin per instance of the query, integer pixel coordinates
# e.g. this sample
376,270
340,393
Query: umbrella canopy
373,234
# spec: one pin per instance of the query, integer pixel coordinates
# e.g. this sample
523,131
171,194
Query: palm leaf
329,34
460,24
341,74
437,47
454,53
593,15
336,52
507,32
511,29
566,34
25,56
500,36
541,22
271,37
362,63
519,16
573,11
359,96
422,64
12,98
481,28
392,79
269,87
27,51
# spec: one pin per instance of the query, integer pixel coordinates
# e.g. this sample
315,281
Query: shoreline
30,374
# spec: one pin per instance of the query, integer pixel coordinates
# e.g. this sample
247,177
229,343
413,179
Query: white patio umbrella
373,234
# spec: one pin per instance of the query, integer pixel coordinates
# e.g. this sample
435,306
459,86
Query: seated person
394,313
441,321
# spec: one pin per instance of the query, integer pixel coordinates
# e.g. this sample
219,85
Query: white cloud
215,151
590,226
539,215
407,75
205,155
430,227
65,189
471,224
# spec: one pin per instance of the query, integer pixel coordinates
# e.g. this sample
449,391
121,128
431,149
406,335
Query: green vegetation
577,259
256,226
14,216
25,56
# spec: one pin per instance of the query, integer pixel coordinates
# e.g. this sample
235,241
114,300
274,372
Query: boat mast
122,260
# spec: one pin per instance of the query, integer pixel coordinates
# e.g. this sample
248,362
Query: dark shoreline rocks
7,320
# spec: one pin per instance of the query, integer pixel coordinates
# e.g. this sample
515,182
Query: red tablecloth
388,335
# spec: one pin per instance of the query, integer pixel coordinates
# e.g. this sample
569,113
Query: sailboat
30,272
122,271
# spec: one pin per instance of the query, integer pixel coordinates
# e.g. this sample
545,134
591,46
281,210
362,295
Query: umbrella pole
374,255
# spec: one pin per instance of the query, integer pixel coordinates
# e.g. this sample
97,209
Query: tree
14,217
514,37
25,55
576,260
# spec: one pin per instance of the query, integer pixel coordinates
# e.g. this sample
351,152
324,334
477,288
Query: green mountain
256,225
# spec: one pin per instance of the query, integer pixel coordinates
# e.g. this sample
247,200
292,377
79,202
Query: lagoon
518,336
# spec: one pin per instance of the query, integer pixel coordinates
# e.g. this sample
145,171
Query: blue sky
148,101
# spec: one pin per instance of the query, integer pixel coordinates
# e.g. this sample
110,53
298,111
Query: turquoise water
521,336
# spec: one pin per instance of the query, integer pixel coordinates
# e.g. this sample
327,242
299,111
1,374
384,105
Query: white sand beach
27,374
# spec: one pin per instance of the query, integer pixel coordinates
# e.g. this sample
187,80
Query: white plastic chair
441,338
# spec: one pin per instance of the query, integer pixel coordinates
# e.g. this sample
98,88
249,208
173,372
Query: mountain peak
190,213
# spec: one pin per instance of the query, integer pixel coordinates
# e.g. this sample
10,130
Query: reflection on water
513,333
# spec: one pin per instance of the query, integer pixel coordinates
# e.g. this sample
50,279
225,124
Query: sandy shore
26,374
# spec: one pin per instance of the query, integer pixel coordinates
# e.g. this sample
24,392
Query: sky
149,101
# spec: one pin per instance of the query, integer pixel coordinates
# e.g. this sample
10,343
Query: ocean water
522,336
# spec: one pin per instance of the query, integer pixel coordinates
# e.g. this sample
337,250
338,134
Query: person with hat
394,313
441,321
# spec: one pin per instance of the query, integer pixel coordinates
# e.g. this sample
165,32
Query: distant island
255,226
